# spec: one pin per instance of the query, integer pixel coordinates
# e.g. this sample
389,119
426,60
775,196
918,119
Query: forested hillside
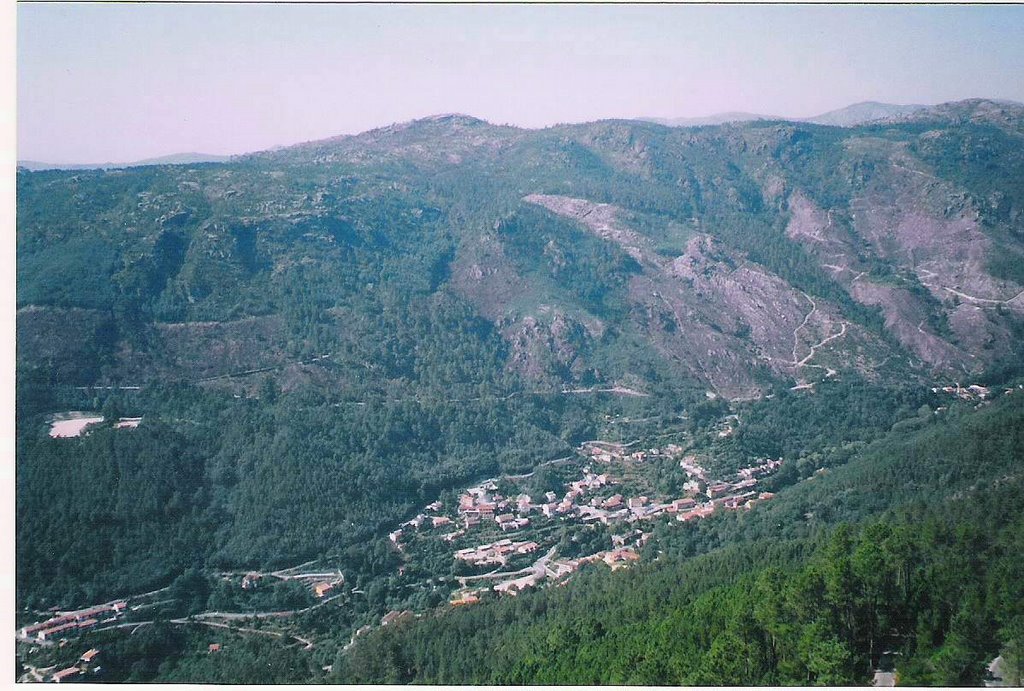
910,550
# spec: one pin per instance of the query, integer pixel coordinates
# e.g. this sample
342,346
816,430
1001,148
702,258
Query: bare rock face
978,329
624,146
728,321
894,233
547,350
810,224
601,219
927,236
909,216
483,274
836,246
906,318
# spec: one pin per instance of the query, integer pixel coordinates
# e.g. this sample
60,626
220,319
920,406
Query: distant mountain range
170,159
850,116
863,113
715,119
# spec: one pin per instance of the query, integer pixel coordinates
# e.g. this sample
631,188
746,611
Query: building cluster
508,521
419,522
766,468
465,597
607,452
396,539
616,508
513,586
251,581
727,426
483,503
86,663
702,498
621,555
589,482
974,392
323,583
454,535
732,496
319,583
694,471
588,499
616,558
738,494
394,615
701,511
72,622
495,553
569,503
603,451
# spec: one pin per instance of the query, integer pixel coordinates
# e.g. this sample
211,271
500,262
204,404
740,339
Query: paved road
264,615
538,568
884,678
996,670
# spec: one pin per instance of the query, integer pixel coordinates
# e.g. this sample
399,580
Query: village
322,584
596,498
972,392
64,623
88,663
501,535
62,629
58,629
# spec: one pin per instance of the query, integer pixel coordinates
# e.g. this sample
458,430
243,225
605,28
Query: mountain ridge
854,114
169,159
861,113
848,116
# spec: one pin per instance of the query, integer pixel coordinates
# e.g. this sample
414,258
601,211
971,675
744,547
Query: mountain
736,257
850,116
170,159
1003,114
715,119
323,339
863,113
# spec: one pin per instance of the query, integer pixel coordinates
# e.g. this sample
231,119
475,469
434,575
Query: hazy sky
103,82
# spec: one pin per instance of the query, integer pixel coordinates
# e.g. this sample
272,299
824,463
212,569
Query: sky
123,82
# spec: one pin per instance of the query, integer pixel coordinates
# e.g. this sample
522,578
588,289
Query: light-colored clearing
72,426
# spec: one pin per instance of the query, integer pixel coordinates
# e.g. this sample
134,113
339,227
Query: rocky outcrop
926,236
728,321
